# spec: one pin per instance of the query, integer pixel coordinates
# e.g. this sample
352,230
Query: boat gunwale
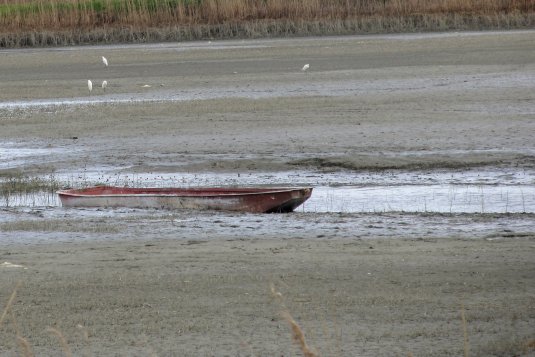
219,194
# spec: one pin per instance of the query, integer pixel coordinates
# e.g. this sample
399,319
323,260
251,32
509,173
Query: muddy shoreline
395,111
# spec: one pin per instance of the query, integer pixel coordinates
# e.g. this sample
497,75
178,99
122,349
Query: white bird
105,61
104,85
89,85
305,67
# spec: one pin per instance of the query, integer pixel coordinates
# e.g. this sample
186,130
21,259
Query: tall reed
202,18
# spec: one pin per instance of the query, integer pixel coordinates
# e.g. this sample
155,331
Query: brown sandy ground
352,297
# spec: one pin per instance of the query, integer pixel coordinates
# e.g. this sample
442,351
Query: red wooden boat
255,200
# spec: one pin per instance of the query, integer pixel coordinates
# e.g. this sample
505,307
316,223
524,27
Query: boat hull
254,200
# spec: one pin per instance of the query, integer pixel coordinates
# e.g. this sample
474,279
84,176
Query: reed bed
14,187
64,22
13,184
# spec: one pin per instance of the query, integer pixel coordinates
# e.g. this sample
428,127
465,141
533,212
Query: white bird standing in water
105,61
89,85
305,67
104,85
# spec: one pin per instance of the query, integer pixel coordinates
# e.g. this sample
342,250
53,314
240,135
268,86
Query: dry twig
9,303
298,335
62,340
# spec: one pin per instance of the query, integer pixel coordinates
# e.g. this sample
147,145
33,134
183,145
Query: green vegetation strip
20,184
97,6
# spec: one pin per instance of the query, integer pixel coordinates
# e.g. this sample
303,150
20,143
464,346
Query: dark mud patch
222,164
59,225
34,226
424,161
409,161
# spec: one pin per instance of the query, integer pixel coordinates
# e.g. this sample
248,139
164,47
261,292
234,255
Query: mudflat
207,297
212,284
403,101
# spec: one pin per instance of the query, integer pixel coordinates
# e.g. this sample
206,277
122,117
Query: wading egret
105,61
89,85
305,67
104,85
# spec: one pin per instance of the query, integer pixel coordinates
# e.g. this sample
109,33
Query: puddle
13,155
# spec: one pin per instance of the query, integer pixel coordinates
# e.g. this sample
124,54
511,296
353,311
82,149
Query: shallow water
424,198
13,155
478,190
344,192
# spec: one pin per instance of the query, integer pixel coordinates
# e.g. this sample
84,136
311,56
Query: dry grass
9,304
25,347
23,343
62,341
513,347
63,22
466,345
297,333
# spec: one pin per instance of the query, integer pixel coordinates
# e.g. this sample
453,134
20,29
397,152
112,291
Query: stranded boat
254,200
